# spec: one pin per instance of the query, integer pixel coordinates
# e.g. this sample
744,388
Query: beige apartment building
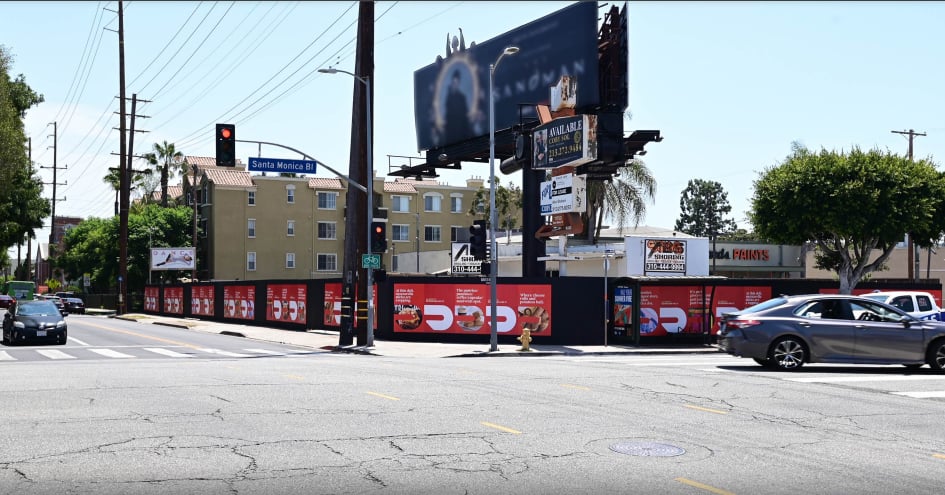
257,227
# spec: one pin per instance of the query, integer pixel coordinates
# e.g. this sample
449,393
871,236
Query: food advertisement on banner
464,308
201,300
623,310
239,302
332,316
286,302
683,310
665,256
174,300
151,296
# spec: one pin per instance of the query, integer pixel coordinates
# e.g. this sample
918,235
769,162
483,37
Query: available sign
570,141
564,194
282,165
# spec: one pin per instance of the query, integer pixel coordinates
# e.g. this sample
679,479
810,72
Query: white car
919,304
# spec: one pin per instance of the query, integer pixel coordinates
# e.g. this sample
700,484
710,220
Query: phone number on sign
665,267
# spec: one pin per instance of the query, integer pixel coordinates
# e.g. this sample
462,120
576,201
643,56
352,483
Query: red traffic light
225,133
378,229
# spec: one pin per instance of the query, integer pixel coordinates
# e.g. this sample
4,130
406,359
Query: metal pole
370,212
606,299
493,266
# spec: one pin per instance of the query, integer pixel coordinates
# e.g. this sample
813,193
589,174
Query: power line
166,45
192,33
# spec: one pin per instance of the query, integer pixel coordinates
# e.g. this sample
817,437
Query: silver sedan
788,331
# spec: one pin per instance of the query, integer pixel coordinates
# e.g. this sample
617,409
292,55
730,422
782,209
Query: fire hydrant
525,339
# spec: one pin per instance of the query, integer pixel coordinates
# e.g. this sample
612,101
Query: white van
919,304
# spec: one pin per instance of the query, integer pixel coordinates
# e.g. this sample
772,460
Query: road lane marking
706,409
935,394
717,491
847,379
940,456
110,353
4,356
55,354
167,352
144,336
223,353
689,363
77,341
499,427
382,396
294,377
568,385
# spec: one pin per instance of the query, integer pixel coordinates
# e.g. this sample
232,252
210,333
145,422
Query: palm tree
173,162
624,197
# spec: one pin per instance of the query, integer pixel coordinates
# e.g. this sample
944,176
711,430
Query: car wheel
789,353
62,339
763,362
936,355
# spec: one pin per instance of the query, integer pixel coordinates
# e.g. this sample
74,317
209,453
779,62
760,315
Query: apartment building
256,227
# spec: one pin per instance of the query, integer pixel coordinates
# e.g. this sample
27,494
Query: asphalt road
315,422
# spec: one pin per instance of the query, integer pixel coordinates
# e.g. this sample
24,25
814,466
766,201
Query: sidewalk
325,340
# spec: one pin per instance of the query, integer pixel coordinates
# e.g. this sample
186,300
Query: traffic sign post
371,261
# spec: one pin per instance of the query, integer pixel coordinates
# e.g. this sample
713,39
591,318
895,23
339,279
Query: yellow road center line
567,385
151,337
507,430
382,396
705,487
294,377
715,411
940,456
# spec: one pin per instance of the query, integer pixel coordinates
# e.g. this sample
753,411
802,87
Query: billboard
151,298
451,96
173,258
666,310
666,256
201,300
174,300
564,194
565,141
464,308
239,302
286,302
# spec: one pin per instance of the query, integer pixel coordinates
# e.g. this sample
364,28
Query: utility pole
53,238
913,259
123,167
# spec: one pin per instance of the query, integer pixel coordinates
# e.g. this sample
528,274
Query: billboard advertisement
565,141
332,316
286,302
464,308
451,96
201,300
173,258
239,302
564,194
666,310
151,297
174,300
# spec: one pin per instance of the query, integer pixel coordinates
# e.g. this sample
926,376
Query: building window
400,204
327,230
290,228
251,261
400,233
459,234
456,204
326,200
431,202
251,198
251,227
290,194
431,233
327,263
290,260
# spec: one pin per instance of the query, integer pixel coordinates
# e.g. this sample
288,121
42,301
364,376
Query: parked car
34,320
788,331
919,304
6,301
55,300
63,295
74,305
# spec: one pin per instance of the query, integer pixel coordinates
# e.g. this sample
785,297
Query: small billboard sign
462,260
173,258
570,141
564,194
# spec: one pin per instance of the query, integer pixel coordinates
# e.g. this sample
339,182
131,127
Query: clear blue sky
729,84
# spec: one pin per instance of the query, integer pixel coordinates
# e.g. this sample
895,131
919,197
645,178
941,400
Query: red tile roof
225,176
399,187
325,183
205,162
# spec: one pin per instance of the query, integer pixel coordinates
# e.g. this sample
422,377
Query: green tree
170,161
623,198
508,206
848,205
703,206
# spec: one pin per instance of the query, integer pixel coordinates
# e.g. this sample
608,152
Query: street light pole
370,200
493,255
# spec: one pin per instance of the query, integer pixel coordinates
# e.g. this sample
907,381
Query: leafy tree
848,205
702,209
170,161
508,205
624,198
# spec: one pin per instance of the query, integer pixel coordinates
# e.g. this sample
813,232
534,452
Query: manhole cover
651,449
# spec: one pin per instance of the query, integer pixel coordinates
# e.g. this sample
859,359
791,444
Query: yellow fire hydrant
525,339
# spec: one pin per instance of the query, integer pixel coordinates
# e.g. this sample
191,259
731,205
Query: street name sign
282,165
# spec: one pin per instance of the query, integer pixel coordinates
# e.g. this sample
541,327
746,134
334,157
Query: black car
34,320
73,305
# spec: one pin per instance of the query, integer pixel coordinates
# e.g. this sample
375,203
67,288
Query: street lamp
493,264
369,184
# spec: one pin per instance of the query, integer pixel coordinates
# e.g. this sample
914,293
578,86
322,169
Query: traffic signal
477,240
226,145
378,237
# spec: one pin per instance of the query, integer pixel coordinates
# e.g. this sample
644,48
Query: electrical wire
166,45
192,33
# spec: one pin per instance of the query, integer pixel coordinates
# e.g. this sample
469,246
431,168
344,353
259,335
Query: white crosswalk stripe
167,352
932,394
868,378
5,356
56,354
265,351
224,353
111,353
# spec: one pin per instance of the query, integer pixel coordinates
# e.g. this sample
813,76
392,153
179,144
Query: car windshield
37,308
770,303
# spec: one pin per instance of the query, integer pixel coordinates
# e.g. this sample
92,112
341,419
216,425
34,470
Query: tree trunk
164,185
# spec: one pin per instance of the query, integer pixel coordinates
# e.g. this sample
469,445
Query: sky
730,85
